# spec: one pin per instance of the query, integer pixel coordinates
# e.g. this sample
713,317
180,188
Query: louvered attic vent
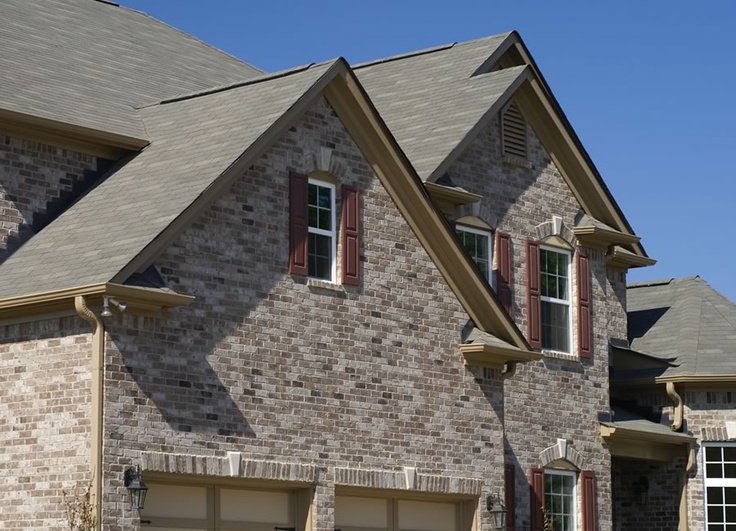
513,132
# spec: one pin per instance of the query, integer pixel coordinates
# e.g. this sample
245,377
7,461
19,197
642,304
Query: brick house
371,297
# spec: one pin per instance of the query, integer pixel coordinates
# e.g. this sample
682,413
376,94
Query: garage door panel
175,501
355,512
427,516
274,508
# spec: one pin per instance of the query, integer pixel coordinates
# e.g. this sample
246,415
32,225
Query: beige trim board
139,300
623,442
91,141
592,236
450,195
495,357
620,258
699,379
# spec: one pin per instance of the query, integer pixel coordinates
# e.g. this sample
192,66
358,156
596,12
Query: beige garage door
356,513
211,508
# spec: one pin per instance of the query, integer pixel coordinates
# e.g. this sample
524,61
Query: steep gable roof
437,101
199,145
90,64
194,141
685,318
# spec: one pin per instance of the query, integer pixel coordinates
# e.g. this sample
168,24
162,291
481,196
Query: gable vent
513,132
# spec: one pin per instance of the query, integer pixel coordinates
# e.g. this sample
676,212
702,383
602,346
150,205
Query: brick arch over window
562,450
556,228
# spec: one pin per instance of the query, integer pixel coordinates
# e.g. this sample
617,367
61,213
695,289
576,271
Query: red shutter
509,486
536,482
533,300
298,224
503,273
584,329
350,231
587,478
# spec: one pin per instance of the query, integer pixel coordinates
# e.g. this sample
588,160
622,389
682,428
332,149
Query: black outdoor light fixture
133,480
498,511
641,490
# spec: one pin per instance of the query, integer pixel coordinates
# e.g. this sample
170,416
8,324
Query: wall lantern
133,480
498,511
641,490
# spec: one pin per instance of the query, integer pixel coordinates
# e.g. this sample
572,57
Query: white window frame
332,234
489,245
574,495
715,482
566,302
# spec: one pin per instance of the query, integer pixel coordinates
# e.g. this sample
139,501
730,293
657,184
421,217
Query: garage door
211,508
355,513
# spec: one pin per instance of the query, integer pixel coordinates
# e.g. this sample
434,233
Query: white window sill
317,283
560,355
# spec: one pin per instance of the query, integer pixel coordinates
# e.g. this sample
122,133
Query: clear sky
648,85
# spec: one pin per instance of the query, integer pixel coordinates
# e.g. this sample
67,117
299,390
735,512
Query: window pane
555,322
713,471
715,495
729,470
730,515
729,453
712,453
320,207
320,256
730,496
715,513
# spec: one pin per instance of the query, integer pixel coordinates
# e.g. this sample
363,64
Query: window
478,245
720,487
313,230
321,231
554,268
559,499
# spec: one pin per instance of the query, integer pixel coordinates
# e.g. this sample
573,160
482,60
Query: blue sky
648,85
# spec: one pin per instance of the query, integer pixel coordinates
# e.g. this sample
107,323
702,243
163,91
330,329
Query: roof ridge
245,83
650,283
425,51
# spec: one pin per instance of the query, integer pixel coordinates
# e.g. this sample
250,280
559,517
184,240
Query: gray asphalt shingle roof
193,141
431,100
685,318
91,64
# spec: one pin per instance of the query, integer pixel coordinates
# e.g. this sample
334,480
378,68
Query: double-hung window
556,315
559,499
321,230
720,486
478,245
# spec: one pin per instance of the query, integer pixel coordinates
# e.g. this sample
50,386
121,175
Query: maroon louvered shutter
503,273
534,305
584,329
298,224
536,483
587,477
350,236
509,480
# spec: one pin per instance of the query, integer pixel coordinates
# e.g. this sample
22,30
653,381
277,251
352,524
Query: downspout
98,356
684,523
679,406
508,371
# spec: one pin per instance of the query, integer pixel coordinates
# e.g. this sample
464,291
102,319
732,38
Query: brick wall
32,175
44,420
264,364
660,511
560,396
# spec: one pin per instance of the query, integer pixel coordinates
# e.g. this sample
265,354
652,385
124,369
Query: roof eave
103,144
50,303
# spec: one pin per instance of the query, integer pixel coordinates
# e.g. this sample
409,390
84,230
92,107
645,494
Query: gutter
97,391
